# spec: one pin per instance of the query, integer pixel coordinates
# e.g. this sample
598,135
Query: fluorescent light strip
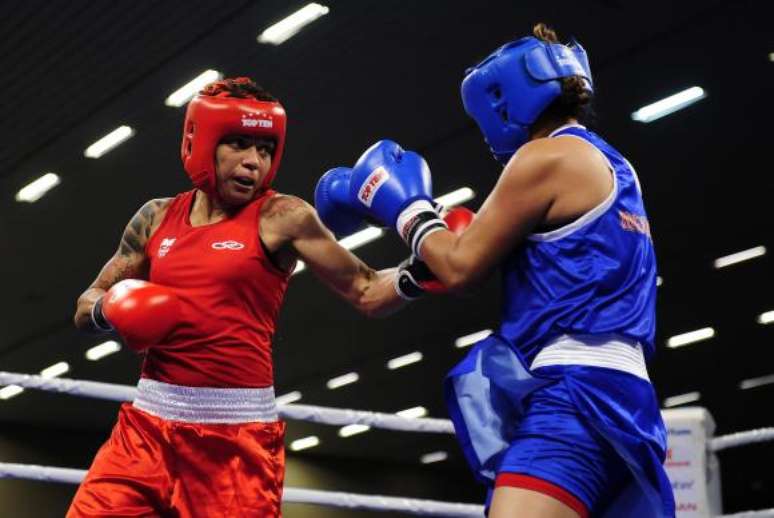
436,456
36,189
353,429
682,399
55,370
340,381
104,349
744,255
766,318
406,359
290,397
304,443
186,92
10,391
704,333
771,57
413,412
288,27
669,105
456,197
361,238
756,382
472,338
109,141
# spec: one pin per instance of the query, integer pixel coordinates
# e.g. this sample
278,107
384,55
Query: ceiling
370,70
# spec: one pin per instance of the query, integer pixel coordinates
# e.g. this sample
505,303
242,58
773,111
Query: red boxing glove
414,277
458,219
143,313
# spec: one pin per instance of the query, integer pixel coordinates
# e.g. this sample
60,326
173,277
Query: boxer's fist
331,199
414,277
394,187
143,313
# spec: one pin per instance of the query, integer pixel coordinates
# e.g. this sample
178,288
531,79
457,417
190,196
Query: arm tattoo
138,230
283,206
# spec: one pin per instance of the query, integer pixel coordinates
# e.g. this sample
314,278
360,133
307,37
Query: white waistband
204,404
610,351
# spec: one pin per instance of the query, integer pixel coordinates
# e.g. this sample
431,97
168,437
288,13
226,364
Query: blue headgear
508,90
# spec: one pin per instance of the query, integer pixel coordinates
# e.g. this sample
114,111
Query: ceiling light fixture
36,189
406,359
456,197
744,255
472,338
669,105
55,370
186,92
109,141
353,429
436,456
10,391
680,340
344,379
682,399
304,443
413,412
766,318
288,27
756,382
290,397
104,349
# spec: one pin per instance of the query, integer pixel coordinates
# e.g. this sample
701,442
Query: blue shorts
554,443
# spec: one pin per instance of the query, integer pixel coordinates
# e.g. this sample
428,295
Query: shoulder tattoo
138,230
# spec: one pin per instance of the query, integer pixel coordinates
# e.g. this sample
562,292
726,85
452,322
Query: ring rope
413,506
740,438
316,414
313,413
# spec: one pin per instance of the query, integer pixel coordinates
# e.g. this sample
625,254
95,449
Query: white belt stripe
613,354
204,404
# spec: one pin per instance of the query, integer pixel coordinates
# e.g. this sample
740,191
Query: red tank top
230,292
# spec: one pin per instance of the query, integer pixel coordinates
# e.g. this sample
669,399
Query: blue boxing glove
331,199
394,187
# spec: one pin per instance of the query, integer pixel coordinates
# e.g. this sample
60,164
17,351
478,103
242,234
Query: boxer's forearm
377,295
451,263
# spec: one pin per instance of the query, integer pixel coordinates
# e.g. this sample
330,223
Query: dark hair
241,87
575,100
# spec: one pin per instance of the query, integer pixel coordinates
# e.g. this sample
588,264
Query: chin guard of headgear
210,118
506,93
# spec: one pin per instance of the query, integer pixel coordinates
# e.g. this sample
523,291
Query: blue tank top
596,275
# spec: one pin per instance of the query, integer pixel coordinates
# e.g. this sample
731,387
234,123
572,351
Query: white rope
765,513
343,416
316,414
91,389
290,494
738,439
382,503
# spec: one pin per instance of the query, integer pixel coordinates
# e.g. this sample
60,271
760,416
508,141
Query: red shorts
154,467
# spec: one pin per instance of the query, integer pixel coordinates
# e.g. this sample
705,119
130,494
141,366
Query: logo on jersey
227,245
372,184
249,122
166,244
634,223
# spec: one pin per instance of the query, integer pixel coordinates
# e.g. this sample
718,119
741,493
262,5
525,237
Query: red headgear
210,118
